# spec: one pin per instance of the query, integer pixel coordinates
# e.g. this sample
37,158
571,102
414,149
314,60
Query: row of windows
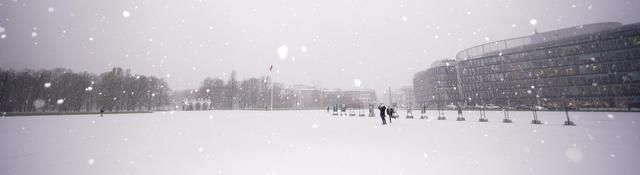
594,79
607,56
476,52
555,92
608,67
531,55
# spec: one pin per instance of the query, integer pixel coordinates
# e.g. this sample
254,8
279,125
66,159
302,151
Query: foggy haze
332,43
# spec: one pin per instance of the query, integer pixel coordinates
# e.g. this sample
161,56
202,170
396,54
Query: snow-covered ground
312,142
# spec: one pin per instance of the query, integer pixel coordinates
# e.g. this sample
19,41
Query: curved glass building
588,66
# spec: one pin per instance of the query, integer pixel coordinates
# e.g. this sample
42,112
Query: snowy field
312,142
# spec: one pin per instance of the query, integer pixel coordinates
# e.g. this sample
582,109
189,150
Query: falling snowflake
39,103
283,51
2,29
314,126
50,9
533,22
126,14
404,18
34,34
357,82
47,85
91,161
303,49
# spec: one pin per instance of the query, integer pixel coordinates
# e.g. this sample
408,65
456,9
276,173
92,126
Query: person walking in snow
101,111
382,109
390,112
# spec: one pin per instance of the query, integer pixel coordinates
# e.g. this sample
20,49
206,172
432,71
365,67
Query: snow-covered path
312,142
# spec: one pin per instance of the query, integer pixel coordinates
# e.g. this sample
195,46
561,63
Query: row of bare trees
250,93
65,90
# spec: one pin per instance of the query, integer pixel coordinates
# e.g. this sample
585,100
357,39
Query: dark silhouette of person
390,113
382,109
101,111
327,109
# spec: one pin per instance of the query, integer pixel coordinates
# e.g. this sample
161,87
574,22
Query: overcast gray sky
329,42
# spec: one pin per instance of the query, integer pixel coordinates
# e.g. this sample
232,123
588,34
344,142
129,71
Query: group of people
386,111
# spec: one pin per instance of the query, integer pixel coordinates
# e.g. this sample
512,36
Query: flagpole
272,85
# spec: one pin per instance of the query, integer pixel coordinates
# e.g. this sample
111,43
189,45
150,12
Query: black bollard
507,118
535,120
483,115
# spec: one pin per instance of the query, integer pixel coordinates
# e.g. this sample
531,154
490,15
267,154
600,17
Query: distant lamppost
439,104
483,112
507,118
458,107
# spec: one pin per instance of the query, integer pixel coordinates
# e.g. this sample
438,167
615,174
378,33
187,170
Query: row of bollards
483,117
460,117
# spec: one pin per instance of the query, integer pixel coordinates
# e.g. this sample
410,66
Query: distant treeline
62,90
251,93
65,90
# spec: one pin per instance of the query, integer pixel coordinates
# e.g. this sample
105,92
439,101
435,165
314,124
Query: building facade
437,85
362,96
588,66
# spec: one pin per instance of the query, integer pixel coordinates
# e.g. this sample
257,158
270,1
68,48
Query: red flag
270,68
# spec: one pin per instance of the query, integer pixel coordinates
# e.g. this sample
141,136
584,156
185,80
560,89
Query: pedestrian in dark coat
382,109
390,113
101,112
